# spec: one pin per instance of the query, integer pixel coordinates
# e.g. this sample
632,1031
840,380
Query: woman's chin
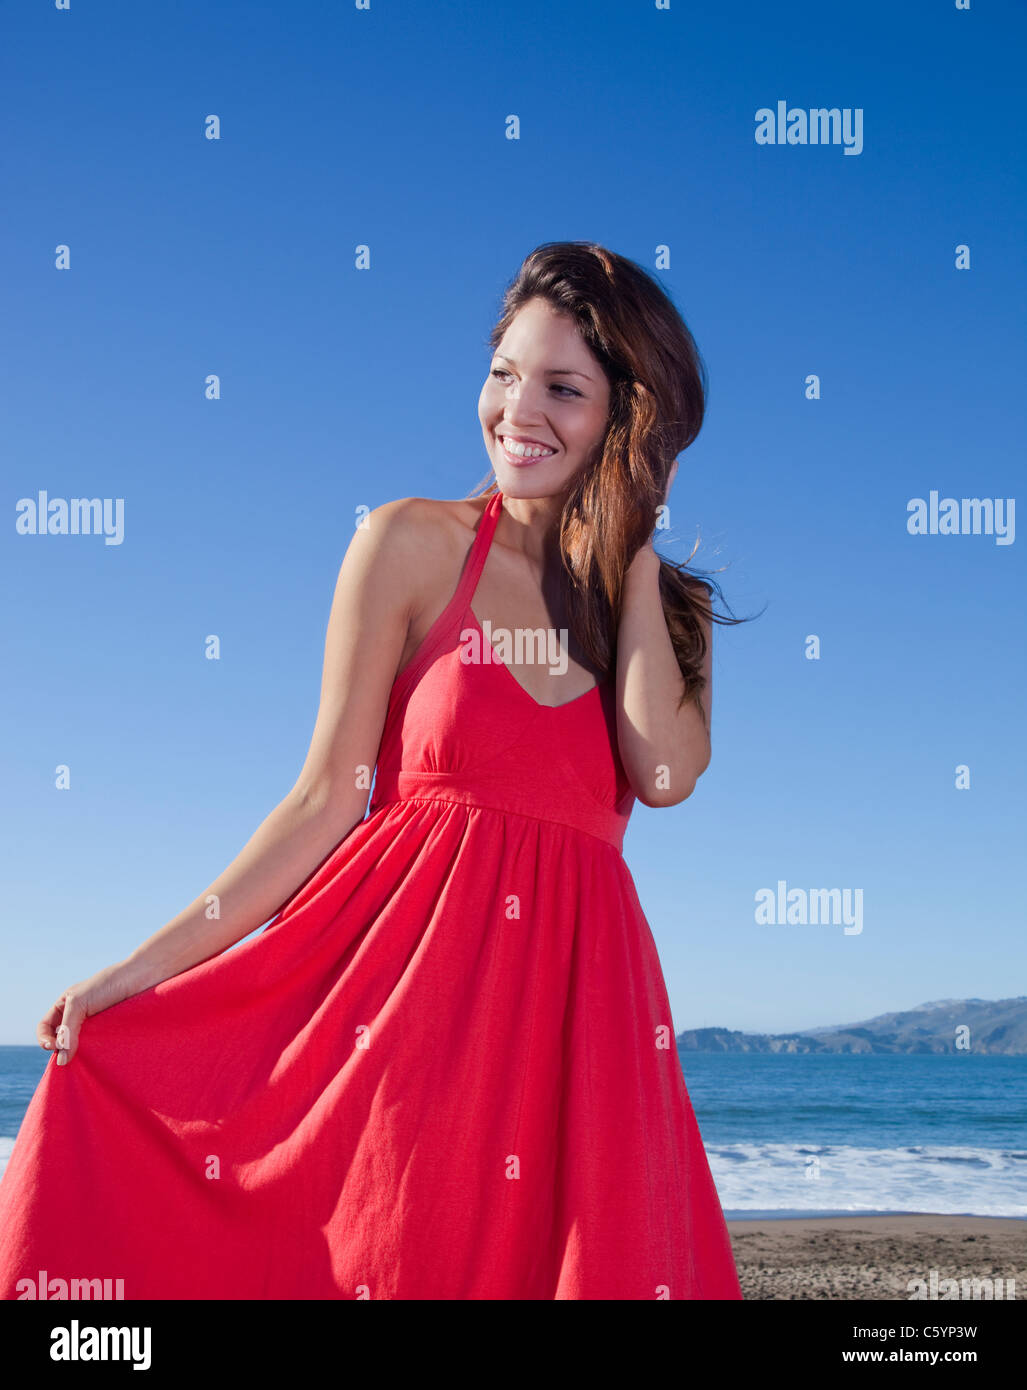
532,480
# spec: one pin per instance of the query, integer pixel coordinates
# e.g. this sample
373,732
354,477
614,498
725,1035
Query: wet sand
875,1257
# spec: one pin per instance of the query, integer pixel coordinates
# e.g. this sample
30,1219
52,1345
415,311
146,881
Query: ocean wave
797,1178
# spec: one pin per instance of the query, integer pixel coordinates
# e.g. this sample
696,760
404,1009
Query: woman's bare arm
664,746
367,629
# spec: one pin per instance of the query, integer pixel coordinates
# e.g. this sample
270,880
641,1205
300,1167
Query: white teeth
527,451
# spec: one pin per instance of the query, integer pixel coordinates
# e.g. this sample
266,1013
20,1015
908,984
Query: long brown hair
658,386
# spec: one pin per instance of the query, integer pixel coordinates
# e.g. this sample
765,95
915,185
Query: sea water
837,1133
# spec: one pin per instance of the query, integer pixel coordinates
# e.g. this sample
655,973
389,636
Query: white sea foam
948,1180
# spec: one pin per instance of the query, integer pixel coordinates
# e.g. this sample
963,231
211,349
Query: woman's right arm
375,596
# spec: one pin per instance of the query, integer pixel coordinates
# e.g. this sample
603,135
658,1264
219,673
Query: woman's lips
518,461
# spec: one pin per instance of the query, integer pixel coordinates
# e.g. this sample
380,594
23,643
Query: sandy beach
874,1257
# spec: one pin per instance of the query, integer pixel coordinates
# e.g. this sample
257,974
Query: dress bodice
460,727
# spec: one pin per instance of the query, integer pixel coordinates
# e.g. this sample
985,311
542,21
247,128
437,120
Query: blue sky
386,127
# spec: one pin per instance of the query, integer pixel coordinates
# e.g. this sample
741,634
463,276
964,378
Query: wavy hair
658,387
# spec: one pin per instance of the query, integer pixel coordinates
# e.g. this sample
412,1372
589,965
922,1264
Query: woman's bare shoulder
425,531
423,542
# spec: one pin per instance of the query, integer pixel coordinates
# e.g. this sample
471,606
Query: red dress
445,1070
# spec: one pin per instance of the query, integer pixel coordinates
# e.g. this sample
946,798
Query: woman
446,1069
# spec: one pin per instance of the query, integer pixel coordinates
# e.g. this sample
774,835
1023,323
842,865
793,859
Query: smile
524,453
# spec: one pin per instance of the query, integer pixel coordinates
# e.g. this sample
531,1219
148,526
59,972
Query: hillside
997,1026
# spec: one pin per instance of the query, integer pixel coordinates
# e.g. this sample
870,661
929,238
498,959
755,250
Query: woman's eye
557,386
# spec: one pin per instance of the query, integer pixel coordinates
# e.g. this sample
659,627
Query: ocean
830,1134
815,1134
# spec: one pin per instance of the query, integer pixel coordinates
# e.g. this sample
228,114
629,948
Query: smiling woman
446,1068
595,386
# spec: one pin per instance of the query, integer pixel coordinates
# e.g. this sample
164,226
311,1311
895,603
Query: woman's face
544,386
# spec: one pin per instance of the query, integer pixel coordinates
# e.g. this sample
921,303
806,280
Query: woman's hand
670,480
666,495
646,554
60,1027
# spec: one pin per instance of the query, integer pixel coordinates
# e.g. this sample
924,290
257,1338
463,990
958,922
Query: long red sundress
445,1070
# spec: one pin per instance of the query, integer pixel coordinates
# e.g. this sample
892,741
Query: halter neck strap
478,553
456,609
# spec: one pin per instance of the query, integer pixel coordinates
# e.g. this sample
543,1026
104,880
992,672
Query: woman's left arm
664,748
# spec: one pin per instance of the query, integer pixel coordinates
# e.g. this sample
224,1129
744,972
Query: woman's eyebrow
550,371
